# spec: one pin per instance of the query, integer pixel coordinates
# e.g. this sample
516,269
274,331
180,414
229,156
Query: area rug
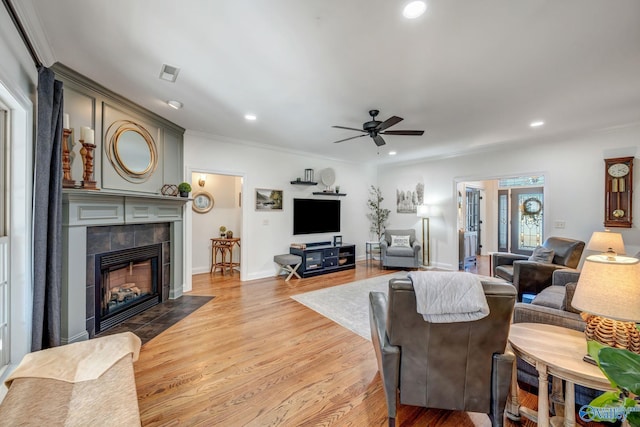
348,304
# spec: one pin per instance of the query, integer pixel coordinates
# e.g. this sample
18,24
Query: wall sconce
202,180
423,212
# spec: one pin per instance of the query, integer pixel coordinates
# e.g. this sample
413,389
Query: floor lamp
423,212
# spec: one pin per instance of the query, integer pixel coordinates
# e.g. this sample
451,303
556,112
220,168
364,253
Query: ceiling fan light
414,9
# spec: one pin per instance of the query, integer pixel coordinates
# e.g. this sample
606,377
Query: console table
223,246
323,257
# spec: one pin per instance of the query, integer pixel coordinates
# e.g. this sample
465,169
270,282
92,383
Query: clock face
618,170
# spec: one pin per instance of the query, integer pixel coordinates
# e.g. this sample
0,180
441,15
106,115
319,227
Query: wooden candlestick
67,181
87,163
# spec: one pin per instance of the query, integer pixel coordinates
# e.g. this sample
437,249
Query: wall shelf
328,193
304,183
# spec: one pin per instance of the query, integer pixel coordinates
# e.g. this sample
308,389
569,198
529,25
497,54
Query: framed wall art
202,202
268,200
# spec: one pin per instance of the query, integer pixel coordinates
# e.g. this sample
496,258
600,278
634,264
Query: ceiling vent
169,73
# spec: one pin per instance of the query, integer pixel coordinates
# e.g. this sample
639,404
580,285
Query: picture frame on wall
268,199
202,202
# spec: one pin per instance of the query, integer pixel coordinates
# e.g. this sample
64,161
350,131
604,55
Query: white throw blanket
444,297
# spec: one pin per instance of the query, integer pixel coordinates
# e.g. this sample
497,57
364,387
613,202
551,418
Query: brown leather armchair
531,277
455,366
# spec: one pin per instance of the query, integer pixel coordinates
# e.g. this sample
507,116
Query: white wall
573,167
18,78
265,234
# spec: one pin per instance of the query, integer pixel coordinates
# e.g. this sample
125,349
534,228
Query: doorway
499,215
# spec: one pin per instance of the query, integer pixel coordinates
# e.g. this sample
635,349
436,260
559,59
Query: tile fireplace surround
83,210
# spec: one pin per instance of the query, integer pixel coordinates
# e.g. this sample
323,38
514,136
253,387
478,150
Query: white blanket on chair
444,297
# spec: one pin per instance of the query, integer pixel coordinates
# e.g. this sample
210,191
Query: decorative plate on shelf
328,176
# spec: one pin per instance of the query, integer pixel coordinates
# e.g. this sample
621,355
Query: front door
526,219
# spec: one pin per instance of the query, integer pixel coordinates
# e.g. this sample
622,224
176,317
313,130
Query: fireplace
127,283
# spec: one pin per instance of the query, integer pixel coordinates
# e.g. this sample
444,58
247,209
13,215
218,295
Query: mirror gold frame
131,150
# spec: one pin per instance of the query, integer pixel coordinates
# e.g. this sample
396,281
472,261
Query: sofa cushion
571,289
505,272
542,254
400,251
552,297
400,241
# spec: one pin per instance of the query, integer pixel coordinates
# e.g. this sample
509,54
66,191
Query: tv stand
324,257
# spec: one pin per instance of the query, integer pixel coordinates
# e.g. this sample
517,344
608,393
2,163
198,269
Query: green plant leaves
622,367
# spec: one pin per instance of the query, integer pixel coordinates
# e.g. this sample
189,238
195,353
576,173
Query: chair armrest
387,355
531,313
506,258
383,246
532,277
416,248
563,276
502,367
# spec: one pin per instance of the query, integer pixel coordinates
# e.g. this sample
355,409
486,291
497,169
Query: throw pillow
571,289
400,241
552,297
542,254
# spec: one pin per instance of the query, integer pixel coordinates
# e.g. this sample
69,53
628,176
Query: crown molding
35,31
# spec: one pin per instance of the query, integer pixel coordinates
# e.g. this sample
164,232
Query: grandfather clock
618,192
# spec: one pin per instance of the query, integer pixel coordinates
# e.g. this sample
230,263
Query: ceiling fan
374,128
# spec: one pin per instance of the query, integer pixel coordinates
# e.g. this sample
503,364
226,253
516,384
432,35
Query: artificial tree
377,215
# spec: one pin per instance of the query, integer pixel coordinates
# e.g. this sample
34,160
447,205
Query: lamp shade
609,288
422,211
606,241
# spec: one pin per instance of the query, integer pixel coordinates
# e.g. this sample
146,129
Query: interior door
526,224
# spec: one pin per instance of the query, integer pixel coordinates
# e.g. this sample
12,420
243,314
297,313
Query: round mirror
131,150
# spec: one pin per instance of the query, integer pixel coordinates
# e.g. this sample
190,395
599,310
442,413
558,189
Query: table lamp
423,212
607,243
608,294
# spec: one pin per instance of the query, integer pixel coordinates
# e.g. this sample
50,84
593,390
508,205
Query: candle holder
87,163
67,180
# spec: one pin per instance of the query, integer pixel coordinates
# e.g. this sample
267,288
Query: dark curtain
47,213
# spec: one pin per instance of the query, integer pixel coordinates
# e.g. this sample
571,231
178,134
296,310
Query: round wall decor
202,202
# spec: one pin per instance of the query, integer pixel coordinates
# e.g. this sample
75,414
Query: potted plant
622,368
184,188
223,231
377,215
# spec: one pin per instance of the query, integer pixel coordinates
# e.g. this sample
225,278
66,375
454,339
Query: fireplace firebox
127,283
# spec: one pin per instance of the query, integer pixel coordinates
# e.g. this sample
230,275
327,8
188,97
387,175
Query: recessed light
250,117
536,124
174,104
392,153
414,9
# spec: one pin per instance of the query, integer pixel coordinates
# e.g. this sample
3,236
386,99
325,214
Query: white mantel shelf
97,207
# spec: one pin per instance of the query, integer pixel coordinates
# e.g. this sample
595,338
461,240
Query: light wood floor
255,357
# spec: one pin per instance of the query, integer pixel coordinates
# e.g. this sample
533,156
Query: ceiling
472,74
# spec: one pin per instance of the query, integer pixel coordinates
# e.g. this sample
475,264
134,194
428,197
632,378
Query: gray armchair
455,366
531,277
400,256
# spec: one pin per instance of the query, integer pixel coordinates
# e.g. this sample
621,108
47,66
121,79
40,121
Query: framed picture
268,200
202,202
337,240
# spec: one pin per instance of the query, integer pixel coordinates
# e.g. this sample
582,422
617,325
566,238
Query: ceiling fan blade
404,132
389,122
343,127
346,139
378,140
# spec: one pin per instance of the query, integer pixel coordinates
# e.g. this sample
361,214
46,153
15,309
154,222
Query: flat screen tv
316,216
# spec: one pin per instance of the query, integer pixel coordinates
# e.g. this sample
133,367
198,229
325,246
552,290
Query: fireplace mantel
85,208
